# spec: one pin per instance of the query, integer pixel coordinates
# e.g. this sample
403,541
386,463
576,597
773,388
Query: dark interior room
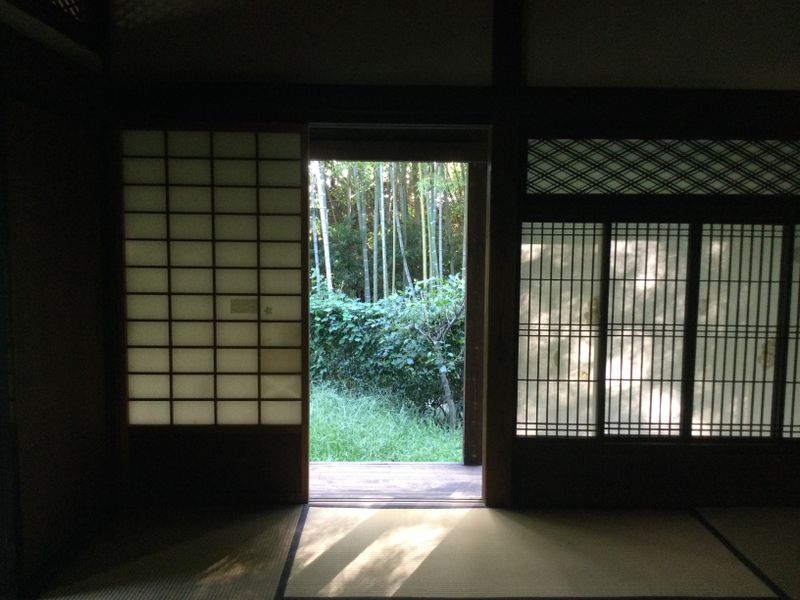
632,354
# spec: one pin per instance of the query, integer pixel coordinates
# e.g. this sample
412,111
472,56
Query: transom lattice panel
214,244
634,166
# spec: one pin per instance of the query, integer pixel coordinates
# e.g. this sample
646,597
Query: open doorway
388,261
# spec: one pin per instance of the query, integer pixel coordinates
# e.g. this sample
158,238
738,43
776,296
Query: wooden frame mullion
690,329
782,337
602,334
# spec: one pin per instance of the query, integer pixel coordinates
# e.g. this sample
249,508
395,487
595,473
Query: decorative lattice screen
561,166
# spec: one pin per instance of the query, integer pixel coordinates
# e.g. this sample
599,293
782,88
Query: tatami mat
462,553
185,555
768,537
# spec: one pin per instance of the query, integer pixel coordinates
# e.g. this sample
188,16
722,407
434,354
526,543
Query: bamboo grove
379,228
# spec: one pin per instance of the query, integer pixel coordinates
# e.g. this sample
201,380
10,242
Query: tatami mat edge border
740,556
287,567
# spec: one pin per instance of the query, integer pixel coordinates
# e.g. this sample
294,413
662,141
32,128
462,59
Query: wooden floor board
394,481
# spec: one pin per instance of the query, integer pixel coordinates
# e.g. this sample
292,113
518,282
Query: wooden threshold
407,484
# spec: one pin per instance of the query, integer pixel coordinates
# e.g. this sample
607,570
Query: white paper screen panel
214,277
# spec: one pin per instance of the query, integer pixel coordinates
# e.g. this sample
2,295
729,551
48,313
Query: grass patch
352,427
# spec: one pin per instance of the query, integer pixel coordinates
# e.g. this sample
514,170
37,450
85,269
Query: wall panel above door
286,41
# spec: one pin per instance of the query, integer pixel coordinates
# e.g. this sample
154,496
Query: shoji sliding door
658,319
216,305
678,309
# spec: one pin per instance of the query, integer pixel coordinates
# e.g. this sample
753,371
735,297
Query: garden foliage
387,344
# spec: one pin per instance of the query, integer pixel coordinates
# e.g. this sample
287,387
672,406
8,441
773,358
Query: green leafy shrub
390,345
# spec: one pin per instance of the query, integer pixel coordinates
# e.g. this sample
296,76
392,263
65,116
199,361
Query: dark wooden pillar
502,234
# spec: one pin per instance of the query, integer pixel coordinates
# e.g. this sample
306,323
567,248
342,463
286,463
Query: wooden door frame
425,143
474,326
